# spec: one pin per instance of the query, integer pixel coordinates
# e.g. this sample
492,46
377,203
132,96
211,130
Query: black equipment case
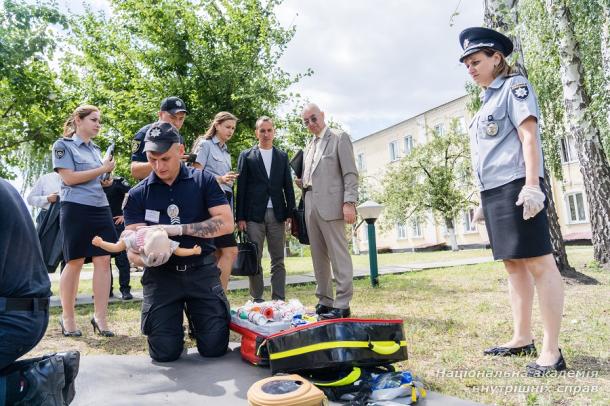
337,344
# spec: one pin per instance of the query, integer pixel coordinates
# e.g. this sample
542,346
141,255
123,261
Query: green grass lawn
450,315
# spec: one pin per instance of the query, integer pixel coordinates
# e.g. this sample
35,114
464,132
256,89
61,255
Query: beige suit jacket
334,177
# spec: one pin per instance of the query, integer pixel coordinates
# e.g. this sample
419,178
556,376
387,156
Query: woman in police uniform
213,157
84,214
508,167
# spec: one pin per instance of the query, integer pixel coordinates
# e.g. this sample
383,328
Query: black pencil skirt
79,224
510,236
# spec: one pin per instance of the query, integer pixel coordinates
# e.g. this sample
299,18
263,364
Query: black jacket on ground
254,187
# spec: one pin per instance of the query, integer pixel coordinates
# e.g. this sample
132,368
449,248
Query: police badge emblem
135,145
155,132
520,91
59,153
491,129
178,103
173,211
466,43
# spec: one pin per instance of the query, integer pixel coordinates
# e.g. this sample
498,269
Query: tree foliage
435,177
216,55
32,97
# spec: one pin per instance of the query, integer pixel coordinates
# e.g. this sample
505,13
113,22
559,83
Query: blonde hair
80,112
503,68
211,131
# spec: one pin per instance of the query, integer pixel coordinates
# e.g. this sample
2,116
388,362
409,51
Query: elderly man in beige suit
330,184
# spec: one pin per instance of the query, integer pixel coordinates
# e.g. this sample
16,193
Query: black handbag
246,263
299,228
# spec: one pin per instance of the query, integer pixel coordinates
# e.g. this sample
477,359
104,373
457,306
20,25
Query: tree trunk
593,163
503,15
559,246
451,232
605,51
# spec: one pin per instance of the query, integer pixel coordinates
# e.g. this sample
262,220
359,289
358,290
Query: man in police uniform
173,111
24,314
193,209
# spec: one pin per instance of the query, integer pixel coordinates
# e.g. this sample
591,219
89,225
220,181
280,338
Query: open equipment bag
337,344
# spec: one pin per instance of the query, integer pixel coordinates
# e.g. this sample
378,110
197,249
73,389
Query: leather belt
308,189
207,260
23,303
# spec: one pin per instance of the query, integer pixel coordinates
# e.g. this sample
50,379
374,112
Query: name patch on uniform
152,216
59,153
520,91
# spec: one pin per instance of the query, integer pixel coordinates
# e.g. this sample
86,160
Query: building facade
376,152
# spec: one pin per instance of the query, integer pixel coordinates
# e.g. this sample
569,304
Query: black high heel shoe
66,333
103,333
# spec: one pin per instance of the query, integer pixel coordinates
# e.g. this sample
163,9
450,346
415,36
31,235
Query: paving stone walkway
127,380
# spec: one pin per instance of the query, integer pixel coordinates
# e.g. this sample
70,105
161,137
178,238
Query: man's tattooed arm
206,229
220,223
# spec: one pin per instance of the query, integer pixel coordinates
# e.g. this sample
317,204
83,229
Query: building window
360,162
401,231
568,150
393,150
439,129
469,225
415,228
408,144
576,208
460,125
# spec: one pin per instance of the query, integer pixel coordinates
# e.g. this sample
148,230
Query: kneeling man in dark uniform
193,209
25,289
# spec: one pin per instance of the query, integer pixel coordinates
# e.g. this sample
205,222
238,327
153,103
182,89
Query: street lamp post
370,212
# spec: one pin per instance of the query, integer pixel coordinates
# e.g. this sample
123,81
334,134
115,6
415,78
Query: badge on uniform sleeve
173,211
520,91
491,129
59,153
135,145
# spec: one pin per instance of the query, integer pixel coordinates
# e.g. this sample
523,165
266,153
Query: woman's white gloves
532,199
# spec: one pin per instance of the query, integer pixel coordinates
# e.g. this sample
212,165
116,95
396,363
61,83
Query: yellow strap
347,380
333,344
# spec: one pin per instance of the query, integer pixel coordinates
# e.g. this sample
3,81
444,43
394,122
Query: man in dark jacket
116,189
265,201
25,289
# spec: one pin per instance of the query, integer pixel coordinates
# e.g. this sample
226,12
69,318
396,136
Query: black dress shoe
336,314
46,379
71,363
320,308
536,370
529,349
96,328
66,333
126,294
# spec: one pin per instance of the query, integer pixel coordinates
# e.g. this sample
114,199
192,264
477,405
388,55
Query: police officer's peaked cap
173,105
160,136
476,38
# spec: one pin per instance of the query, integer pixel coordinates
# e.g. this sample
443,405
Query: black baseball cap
476,38
160,136
173,105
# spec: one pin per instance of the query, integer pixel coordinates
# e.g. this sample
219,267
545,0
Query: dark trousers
121,262
167,293
20,331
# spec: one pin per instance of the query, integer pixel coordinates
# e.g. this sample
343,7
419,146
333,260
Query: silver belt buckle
180,268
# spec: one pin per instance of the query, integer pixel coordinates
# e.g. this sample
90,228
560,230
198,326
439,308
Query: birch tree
592,158
605,52
502,15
